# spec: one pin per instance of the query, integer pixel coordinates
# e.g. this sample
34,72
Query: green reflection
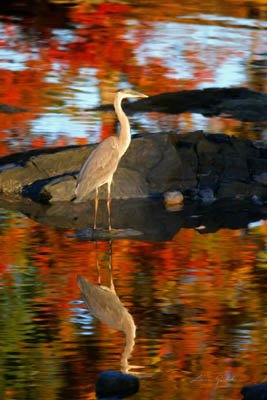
29,365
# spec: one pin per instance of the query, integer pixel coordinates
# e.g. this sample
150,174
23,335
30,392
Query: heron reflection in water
102,163
104,303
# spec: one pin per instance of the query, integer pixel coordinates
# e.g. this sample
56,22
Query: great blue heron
102,163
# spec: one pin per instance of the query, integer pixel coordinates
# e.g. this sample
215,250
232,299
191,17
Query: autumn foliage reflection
99,41
195,301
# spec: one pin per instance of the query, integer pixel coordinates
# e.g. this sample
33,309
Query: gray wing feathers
98,168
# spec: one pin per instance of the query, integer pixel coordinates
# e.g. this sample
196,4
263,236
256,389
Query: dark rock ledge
202,166
237,102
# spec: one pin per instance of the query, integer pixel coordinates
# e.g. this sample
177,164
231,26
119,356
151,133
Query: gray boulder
195,163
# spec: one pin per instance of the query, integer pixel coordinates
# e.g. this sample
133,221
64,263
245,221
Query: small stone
207,196
201,227
173,200
261,178
256,200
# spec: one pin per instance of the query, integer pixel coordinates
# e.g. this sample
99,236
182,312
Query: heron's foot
122,233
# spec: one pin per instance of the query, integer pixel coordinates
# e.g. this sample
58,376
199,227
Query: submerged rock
205,166
255,392
116,385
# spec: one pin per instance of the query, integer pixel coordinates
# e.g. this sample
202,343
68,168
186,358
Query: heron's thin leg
108,205
96,206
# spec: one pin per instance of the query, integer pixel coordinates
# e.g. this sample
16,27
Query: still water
195,305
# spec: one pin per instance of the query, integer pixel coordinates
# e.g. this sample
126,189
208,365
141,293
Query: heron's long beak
137,94
141,95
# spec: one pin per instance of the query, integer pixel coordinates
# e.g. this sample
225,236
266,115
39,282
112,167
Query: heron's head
129,93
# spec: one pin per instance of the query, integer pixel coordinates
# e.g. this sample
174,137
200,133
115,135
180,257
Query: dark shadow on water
145,220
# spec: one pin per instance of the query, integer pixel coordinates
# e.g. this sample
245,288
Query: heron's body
102,163
97,165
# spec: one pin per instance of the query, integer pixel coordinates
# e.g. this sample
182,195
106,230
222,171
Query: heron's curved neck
129,330
124,135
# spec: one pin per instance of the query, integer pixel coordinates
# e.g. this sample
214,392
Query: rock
41,165
127,184
244,109
153,165
59,189
255,392
142,150
110,398
261,178
167,172
240,190
173,198
173,201
207,196
136,187
188,161
234,167
112,384
211,162
239,103
257,164
257,200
